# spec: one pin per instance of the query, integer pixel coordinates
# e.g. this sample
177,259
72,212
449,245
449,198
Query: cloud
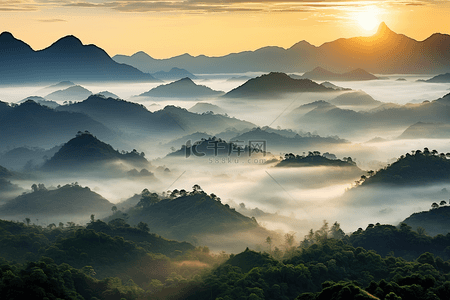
51,20
17,5
205,6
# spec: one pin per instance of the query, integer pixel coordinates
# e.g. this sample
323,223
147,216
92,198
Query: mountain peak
5,35
383,30
302,45
186,80
10,43
68,41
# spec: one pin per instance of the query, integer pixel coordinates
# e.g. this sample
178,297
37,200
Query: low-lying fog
309,194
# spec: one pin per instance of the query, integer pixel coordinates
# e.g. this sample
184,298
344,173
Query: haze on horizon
166,29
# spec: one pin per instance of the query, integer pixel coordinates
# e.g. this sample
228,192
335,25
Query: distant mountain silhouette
355,98
124,116
195,137
41,101
275,142
7,189
273,84
190,122
183,88
386,116
137,123
422,130
442,78
56,87
73,93
39,126
305,108
435,221
174,73
85,151
5,173
239,78
67,58
355,75
202,107
66,200
385,52
26,157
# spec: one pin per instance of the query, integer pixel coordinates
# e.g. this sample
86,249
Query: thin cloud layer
204,6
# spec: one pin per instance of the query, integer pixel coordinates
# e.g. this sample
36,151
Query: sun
367,20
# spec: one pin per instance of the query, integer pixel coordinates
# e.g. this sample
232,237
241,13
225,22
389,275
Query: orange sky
166,28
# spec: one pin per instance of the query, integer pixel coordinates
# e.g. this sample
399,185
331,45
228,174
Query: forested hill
380,262
419,168
184,215
86,149
69,199
314,159
435,221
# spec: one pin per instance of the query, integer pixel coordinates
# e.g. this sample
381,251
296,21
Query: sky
166,28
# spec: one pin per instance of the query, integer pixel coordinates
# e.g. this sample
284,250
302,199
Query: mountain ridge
385,52
66,59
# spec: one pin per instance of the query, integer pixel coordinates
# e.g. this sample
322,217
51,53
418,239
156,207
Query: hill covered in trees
314,158
217,147
182,88
435,221
190,216
380,262
418,168
275,84
82,262
85,150
70,199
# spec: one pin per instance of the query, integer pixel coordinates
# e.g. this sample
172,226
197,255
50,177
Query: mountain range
385,52
174,73
66,59
34,125
332,119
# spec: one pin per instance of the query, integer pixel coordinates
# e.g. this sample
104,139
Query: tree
34,187
434,205
269,242
28,220
421,231
336,231
196,189
114,209
143,226
51,226
289,240
442,203
92,218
